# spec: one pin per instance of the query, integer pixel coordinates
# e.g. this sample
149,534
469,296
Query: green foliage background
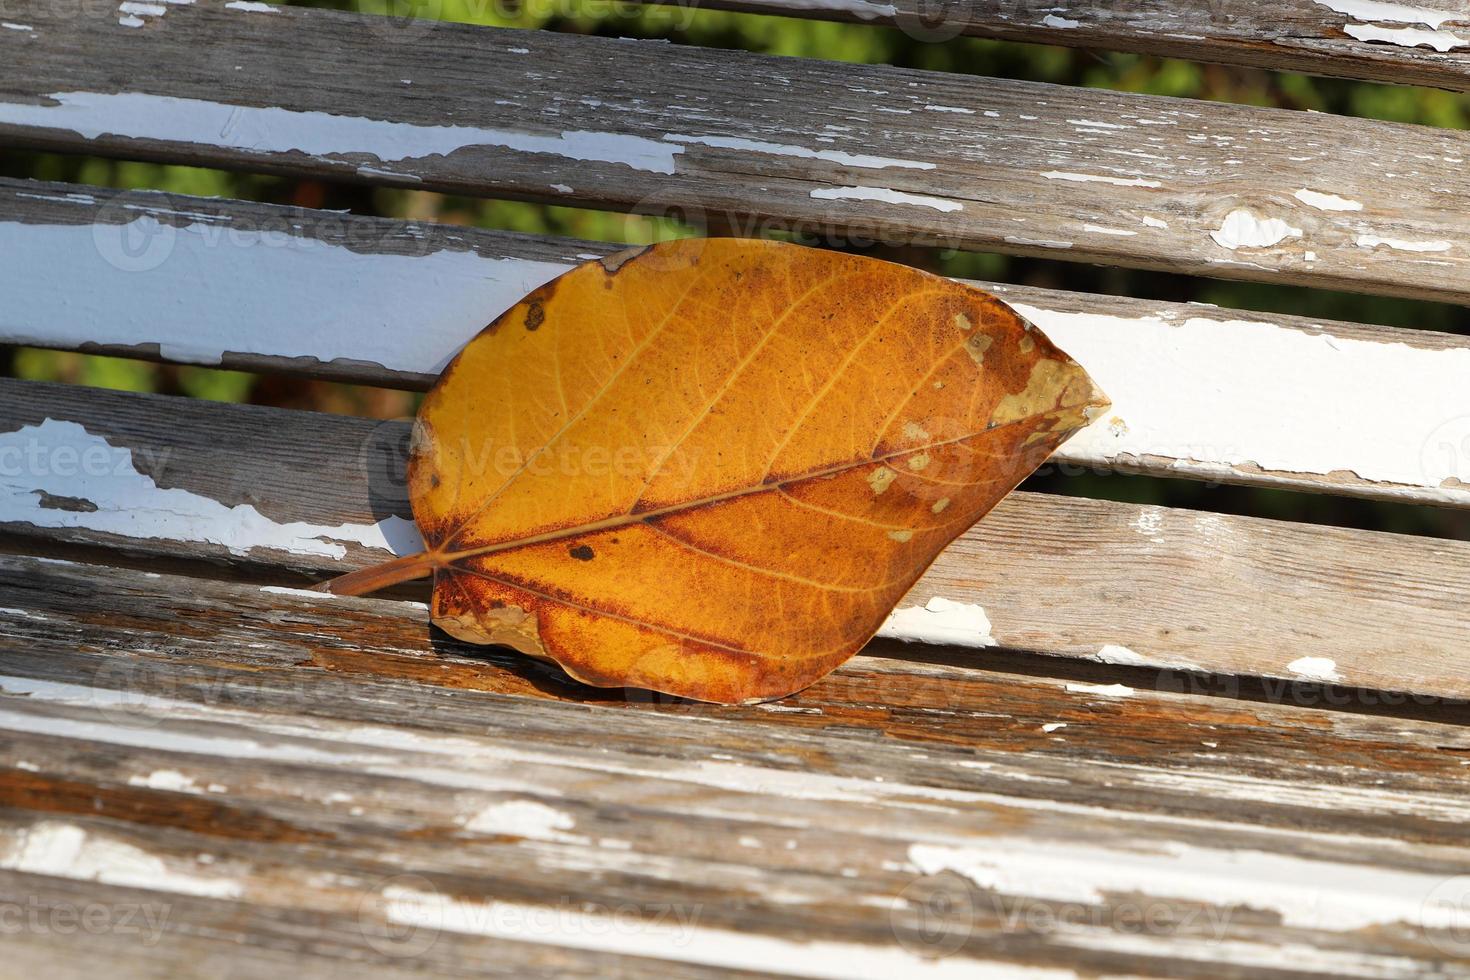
841,42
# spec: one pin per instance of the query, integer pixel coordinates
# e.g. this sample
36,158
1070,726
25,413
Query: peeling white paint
1326,202
63,459
137,115
950,108
1098,229
1096,178
940,620
1407,37
676,939
251,7
1398,13
1060,23
525,818
1316,668
1154,222
133,14
1038,242
1305,893
1119,655
885,195
1102,690
16,27
205,289
300,593
1150,519
1370,241
863,9
496,766
1242,229
864,160
65,850
1053,726
166,779
1212,393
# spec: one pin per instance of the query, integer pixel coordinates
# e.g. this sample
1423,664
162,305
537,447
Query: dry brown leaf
712,467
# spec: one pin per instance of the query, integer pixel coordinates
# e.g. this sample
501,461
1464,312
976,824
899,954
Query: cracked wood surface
285,494
1426,42
386,302
290,789
837,149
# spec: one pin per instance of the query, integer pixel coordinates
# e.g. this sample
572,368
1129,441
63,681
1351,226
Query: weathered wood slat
834,149
282,491
1420,43
1247,398
150,931
238,750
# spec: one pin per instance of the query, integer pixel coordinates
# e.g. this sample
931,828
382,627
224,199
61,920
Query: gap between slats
1406,44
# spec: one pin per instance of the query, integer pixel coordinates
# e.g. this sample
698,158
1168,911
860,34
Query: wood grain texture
294,774
1320,38
326,295
833,149
1195,592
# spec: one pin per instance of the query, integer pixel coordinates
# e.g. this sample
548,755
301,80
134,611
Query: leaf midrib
628,519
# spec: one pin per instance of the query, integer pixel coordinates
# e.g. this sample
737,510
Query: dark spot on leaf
534,315
582,553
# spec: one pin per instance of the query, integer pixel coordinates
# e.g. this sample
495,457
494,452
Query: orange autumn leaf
712,467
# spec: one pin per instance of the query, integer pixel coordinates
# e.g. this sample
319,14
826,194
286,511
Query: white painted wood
1197,392
1189,592
922,818
1206,188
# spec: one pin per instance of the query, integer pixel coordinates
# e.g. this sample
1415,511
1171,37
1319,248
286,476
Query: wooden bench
1190,743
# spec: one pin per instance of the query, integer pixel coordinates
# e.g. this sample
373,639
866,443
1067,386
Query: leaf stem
378,577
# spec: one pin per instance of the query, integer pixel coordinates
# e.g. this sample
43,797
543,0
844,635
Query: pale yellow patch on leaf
977,345
880,478
1053,386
